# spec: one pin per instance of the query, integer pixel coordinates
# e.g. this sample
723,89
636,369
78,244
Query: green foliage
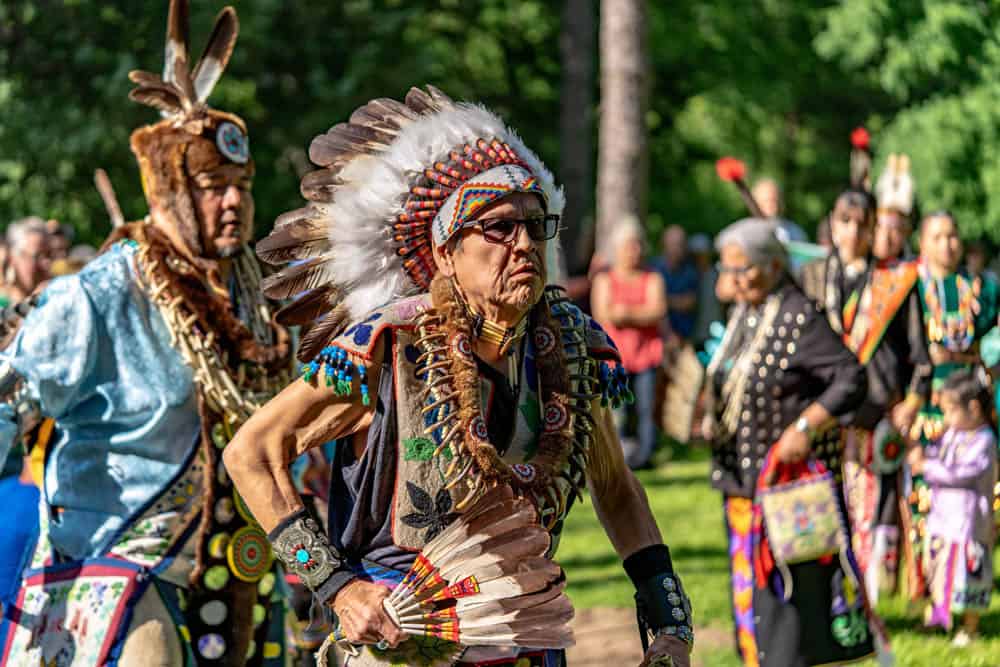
778,83
298,68
939,60
743,79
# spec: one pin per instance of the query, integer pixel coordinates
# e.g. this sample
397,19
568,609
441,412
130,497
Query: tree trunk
576,46
622,161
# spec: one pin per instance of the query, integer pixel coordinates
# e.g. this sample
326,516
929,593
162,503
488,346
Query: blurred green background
779,83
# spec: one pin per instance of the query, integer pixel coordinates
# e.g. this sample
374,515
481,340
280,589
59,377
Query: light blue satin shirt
96,356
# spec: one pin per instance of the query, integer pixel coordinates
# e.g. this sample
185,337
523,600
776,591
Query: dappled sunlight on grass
690,516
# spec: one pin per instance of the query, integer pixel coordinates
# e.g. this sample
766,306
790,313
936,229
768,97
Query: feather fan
485,581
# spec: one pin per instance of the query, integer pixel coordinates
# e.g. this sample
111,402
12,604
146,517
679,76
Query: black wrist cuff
328,589
648,562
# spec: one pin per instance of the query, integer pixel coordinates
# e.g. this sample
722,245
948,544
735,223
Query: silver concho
305,551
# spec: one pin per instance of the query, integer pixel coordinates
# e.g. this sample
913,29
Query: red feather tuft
860,138
730,169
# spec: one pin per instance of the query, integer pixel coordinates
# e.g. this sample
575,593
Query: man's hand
667,646
793,445
358,605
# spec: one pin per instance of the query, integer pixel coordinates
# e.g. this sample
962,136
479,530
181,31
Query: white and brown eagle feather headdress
364,239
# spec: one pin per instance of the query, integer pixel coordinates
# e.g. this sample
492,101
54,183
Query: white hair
626,230
757,237
18,231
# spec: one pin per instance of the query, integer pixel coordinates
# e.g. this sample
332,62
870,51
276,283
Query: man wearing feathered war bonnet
457,386
149,360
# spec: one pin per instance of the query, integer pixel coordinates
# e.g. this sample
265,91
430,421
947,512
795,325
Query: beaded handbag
803,520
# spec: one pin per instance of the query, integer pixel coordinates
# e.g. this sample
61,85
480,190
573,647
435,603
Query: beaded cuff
661,604
663,608
306,552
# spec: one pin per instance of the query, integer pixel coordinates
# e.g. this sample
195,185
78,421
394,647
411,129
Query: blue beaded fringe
614,386
338,371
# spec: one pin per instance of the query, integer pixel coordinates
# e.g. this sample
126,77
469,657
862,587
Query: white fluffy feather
364,259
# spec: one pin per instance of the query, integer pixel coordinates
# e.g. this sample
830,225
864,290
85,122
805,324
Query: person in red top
630,302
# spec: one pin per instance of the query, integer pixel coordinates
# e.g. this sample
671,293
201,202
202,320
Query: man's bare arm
303,416
619,499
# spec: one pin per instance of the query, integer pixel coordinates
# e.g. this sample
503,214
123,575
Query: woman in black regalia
782,383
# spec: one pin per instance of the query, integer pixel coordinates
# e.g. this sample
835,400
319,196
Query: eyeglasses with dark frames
505,230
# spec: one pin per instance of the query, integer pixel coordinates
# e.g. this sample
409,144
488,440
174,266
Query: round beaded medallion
249,554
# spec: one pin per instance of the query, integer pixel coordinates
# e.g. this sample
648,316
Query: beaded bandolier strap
234,559
235,397
444,448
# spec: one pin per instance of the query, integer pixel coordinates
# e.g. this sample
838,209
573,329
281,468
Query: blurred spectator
977,256
824,235
76,260
767,194
631,303
769,197
60,239
28,261
892,233
708,308
681,280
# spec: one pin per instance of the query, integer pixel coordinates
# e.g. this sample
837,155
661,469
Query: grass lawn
690,515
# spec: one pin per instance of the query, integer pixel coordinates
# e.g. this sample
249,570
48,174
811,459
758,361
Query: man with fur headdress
450,373
148,360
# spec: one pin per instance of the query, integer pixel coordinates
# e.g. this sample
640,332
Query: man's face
940,244
768,197
851,231
58,247
674,244
510,275
891,231
224,206
31,260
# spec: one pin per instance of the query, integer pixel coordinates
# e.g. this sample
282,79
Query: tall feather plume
214,59
165,101
485,581
178,22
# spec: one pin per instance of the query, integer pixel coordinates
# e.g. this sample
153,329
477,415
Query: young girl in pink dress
961,469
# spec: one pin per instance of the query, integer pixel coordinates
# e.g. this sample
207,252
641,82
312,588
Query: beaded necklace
452,394
955,331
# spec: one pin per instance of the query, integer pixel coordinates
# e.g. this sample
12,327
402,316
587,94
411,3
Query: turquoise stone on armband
302,556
